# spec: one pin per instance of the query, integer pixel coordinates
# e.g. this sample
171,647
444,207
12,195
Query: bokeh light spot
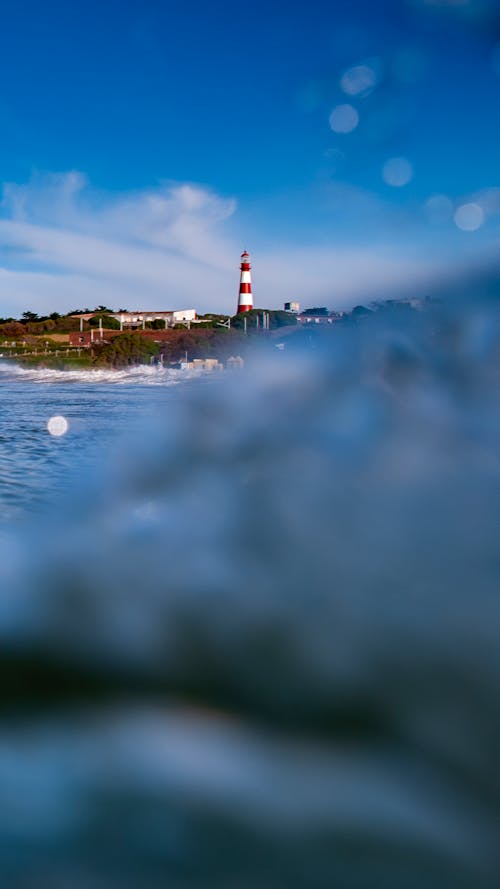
439,209
344,119
58,426
397,172
469,217
359,80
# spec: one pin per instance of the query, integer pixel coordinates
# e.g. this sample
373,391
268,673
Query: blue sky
144,144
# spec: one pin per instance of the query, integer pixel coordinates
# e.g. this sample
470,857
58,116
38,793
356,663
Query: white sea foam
151,375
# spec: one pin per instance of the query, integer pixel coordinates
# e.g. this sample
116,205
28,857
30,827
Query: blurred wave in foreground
261,647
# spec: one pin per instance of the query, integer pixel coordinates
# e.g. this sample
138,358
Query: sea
249,624
100,407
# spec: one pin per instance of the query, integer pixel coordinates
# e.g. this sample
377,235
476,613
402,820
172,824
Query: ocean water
100,407
249,636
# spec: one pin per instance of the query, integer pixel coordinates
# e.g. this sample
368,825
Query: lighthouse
245,299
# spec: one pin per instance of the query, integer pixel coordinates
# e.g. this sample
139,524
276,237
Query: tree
66,324
280,318
360,312
107,321
320,311
277,318
29,316
12,329
38,327
202,343
126,350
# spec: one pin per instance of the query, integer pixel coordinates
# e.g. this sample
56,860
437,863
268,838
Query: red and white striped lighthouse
245,299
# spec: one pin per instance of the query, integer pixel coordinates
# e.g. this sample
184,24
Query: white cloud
63,245
66,244
340,278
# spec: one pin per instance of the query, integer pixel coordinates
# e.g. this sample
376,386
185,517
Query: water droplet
344,119
397,172
359,80
469,217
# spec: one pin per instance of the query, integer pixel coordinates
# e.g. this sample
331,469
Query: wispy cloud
64,244
155,248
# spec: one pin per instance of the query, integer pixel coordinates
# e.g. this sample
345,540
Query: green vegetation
254,319
9,327
73,361
204,342
319,311
56,359
43,340
104,320
125,350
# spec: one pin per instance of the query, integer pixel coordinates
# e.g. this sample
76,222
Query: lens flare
469,217
360,80
57,426
344,119
397,172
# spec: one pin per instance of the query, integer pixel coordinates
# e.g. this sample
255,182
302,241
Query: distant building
235,362
206,365
317,315
133,319
143,316
292,307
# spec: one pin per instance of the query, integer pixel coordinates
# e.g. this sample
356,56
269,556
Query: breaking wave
154,375
260,647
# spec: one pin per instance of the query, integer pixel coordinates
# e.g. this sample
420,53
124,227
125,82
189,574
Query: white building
132,319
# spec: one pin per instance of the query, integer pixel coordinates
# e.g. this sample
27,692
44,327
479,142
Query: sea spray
143,374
